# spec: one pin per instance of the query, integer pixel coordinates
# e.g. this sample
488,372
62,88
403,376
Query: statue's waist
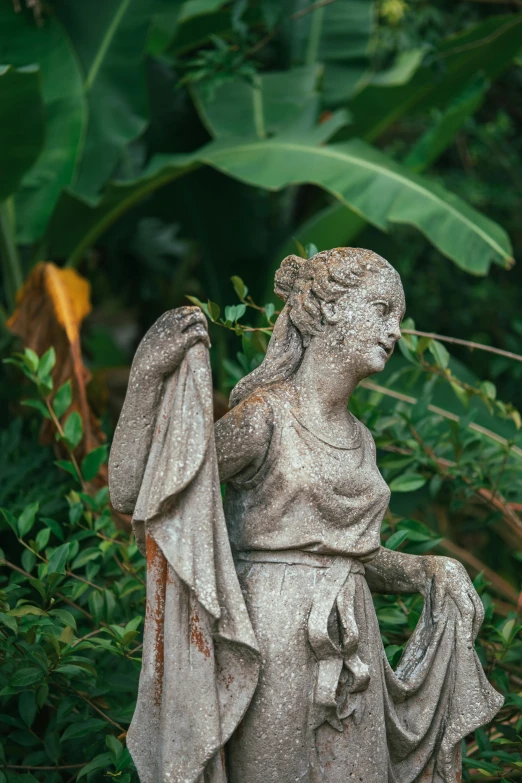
336,589
300,557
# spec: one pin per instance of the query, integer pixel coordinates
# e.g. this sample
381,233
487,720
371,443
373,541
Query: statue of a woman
303,505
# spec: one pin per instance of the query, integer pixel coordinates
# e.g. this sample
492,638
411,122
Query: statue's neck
323,386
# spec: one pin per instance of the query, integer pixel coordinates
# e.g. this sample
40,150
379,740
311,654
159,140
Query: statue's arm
435,577
431,575
243,436
132,439
397,572
158,355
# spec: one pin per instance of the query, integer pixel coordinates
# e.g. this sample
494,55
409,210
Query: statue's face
364,325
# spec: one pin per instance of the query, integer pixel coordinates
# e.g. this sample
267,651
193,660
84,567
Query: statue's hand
167,341
447,578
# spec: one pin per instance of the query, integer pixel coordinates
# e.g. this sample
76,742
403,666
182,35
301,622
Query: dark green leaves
273,103
20,141
58,560
109,37
24,677
22,43
359,176
338,36
27,707
82,728
92,463
62,399
73,430
486,48
27,518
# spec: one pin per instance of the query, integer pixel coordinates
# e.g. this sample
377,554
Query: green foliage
71,604
21,44
283,103
109,37
20,144
398,196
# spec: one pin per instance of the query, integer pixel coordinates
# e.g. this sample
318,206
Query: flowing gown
281,676
328,708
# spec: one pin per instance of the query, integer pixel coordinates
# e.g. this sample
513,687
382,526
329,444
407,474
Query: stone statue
263,660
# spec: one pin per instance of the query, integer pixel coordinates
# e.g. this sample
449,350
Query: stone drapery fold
436,696
200,659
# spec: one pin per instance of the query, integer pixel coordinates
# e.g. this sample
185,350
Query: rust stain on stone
196,635
228,680
155,611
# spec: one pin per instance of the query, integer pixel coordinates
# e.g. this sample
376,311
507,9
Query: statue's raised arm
263,661
159,354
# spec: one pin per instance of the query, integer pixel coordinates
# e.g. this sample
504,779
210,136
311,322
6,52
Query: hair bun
286,276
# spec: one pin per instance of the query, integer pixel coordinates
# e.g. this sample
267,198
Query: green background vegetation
162,148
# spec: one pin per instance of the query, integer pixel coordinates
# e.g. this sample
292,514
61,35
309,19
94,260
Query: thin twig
97,709
310,9
471,345
127,571
58,595
293,17
61,432
57,766
371,386
498,2
85,581
87,636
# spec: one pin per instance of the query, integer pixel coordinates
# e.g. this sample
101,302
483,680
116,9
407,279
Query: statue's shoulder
266,403
251,418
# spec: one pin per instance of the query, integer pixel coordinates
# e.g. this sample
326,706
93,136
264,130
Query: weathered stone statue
263,660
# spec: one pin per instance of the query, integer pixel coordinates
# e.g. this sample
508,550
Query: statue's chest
328,473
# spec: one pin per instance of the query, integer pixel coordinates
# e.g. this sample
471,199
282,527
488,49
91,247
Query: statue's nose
395,332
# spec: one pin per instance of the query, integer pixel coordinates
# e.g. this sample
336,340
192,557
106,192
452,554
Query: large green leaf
447,123
170,14
22,43
486,48
278,102
381,191
110,38
375,187
336,225
338,35
21,124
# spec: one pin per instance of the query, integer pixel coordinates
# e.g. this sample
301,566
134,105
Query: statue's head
349,301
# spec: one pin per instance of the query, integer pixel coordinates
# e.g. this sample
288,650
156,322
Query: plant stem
466,343
59,428
13,274
58,595
97,709
314,37
55,767
441,412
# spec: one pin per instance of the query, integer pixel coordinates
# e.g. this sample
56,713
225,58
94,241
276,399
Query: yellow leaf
51,306
70,295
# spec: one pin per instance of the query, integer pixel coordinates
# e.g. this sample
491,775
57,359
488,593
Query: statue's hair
304,285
